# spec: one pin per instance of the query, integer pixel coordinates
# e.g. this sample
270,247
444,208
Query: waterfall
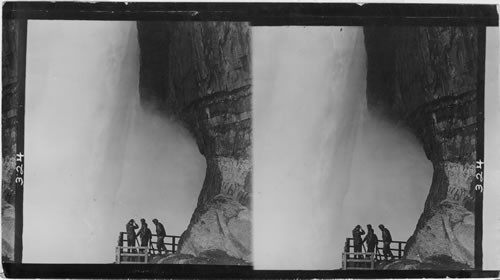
322,162
94,157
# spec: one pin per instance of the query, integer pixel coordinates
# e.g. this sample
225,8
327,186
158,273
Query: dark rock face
206,257
426,77
11,32
436,262
200,73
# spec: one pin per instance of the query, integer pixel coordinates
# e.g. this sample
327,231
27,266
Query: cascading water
94,157
322,162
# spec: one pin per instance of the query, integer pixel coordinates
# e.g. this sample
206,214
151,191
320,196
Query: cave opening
95,157
321,156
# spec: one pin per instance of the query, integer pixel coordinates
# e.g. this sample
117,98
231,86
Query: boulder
448,231
223,224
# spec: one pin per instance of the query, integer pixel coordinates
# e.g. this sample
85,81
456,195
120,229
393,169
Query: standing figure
144,234
358,241
387,239
371,239
160,234
131,236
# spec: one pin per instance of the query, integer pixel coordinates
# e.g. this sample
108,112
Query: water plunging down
323,163
94,157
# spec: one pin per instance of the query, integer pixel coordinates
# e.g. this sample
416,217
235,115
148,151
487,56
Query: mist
322,162
94,157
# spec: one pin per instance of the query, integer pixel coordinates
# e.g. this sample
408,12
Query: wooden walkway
138,254
368,261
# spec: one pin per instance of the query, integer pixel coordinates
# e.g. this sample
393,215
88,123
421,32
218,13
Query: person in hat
131,226
144,234
356,236
371,239
160,234
387,239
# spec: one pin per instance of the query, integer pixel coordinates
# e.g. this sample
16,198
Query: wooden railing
171,243
125,254
365,260
351,260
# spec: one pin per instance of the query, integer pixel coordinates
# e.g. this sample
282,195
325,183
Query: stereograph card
249,140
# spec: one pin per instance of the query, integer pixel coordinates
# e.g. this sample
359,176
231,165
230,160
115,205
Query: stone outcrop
224,224
200,73
426,78
435,262
12,31
206,257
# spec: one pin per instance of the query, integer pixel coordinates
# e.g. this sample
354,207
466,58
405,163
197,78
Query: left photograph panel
137,143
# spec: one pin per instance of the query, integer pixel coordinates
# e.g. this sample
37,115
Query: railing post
372,261
174,245
156,242
118,255
120,239
399,250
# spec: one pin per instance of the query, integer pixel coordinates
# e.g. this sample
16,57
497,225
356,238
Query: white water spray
322,163
94,157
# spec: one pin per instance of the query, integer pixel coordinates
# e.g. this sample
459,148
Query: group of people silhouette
371,240
145,234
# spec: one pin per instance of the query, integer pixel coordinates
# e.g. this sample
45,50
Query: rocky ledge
217,257
435,262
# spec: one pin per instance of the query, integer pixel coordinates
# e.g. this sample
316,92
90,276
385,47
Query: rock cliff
426,78
199,72
12,31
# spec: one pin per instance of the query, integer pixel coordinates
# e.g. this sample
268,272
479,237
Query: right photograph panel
365,142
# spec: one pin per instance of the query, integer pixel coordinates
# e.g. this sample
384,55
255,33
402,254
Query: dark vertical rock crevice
426,78
199,72
13,59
